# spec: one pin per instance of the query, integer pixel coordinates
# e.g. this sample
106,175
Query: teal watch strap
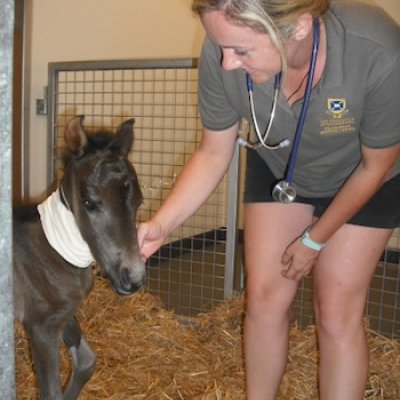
311,244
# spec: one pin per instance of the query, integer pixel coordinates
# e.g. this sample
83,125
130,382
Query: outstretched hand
298,260
150,237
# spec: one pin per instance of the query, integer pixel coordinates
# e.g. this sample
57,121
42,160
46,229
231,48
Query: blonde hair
273,17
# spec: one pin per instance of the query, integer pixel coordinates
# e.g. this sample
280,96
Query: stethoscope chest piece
284,192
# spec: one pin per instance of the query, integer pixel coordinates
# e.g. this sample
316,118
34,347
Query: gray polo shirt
356,101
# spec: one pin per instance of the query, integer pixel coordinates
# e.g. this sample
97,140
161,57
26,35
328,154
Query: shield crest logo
336,107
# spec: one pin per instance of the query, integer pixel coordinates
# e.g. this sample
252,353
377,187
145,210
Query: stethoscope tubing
262,139
305,105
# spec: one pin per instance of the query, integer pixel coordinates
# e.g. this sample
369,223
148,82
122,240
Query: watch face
283,192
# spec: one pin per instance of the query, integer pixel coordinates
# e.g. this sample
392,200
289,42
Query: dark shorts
382,211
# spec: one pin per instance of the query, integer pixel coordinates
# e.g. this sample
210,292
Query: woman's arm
195,183
374,168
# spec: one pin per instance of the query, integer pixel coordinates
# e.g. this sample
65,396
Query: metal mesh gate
194,270
383,303
199,265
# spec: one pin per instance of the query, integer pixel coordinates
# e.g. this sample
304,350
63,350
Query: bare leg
342,277
269,228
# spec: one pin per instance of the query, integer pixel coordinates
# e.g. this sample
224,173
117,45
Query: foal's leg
45,352
83,359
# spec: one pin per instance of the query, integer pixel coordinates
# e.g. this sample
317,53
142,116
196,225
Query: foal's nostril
127,283
125,278
135,287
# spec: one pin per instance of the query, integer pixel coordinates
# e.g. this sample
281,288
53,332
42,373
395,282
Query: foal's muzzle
126,280
127,285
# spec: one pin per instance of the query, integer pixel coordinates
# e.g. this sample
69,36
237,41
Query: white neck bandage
62,232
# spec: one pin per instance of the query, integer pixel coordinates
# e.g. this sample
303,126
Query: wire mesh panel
383,305
189,270
383,301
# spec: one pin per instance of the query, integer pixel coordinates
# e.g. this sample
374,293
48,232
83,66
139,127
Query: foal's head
101,188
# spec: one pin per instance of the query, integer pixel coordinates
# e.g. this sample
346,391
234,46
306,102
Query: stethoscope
283,191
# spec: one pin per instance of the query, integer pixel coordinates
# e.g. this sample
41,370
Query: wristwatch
311,244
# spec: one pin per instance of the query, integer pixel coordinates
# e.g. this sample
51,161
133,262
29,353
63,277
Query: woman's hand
298,260
150,237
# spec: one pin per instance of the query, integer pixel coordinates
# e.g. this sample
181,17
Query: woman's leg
342,276
268,228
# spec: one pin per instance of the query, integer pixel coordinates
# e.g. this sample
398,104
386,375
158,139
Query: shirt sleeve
380,126
216,111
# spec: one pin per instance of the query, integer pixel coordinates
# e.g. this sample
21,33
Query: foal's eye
89,205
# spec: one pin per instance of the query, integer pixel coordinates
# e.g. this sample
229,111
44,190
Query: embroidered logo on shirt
337,108
338,122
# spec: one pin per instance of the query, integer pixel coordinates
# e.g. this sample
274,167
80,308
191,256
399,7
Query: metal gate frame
230,275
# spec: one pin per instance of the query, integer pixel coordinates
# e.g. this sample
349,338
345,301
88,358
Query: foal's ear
123,140
75,136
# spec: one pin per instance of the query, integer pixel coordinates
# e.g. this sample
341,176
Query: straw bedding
147,352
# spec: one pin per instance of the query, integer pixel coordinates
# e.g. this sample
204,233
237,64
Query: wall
77,30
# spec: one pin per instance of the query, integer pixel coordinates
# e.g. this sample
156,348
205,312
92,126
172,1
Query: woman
346,173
